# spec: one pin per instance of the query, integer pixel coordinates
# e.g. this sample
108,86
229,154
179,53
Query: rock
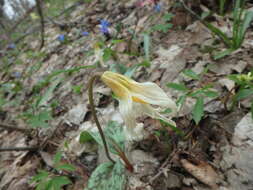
238,158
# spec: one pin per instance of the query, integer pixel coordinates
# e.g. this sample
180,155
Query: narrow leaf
243,93
57,157
210,93
191,74
66,167
85,137
198,110
246,22
146,39
223,54
177,86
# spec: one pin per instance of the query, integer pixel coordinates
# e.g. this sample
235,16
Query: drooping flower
104,24
135,99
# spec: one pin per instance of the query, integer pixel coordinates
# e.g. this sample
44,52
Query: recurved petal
152,94
151,112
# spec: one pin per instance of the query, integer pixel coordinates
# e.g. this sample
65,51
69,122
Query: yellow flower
135,99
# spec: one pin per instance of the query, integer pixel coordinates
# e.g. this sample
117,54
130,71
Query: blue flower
104,24
157,8
16,74
11,46
61,37
85,33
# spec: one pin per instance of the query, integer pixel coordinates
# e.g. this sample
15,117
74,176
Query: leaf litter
215,154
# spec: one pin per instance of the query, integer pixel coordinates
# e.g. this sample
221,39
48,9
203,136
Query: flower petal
151,112
120,91
126,110
151,93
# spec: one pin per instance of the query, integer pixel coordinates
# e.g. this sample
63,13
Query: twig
11,127
19,149
161,169
93,112
39,9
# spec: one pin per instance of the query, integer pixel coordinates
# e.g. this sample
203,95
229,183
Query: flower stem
93,112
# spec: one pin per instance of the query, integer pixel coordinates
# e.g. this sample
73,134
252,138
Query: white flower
135,99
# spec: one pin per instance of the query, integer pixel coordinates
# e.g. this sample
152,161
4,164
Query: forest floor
46,91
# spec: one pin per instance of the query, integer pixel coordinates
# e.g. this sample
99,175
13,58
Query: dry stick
19,149
93,112
10,127
39,9
23,130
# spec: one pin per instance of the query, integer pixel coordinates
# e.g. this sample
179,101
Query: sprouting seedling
135,99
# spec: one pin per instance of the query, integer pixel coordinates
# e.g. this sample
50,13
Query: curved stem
93,112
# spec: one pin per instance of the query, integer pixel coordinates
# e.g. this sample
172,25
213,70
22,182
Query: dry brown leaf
201,171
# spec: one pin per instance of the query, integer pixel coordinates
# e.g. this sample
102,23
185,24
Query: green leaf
223,54
162,27
118,67
196,93
219,33
66,167
167,111
246,22
243,93
57,157
115,134
40,120
198,110
42,175
168,17
191,74
210,93
58,182
205,14
108,176
108,53
130,71
181,100
176,86
85,137
77,89
174,128
146,41
44,185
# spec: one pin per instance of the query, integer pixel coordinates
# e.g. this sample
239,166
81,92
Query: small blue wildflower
11,46
85,33
61,37
104,24
16,74
158,8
